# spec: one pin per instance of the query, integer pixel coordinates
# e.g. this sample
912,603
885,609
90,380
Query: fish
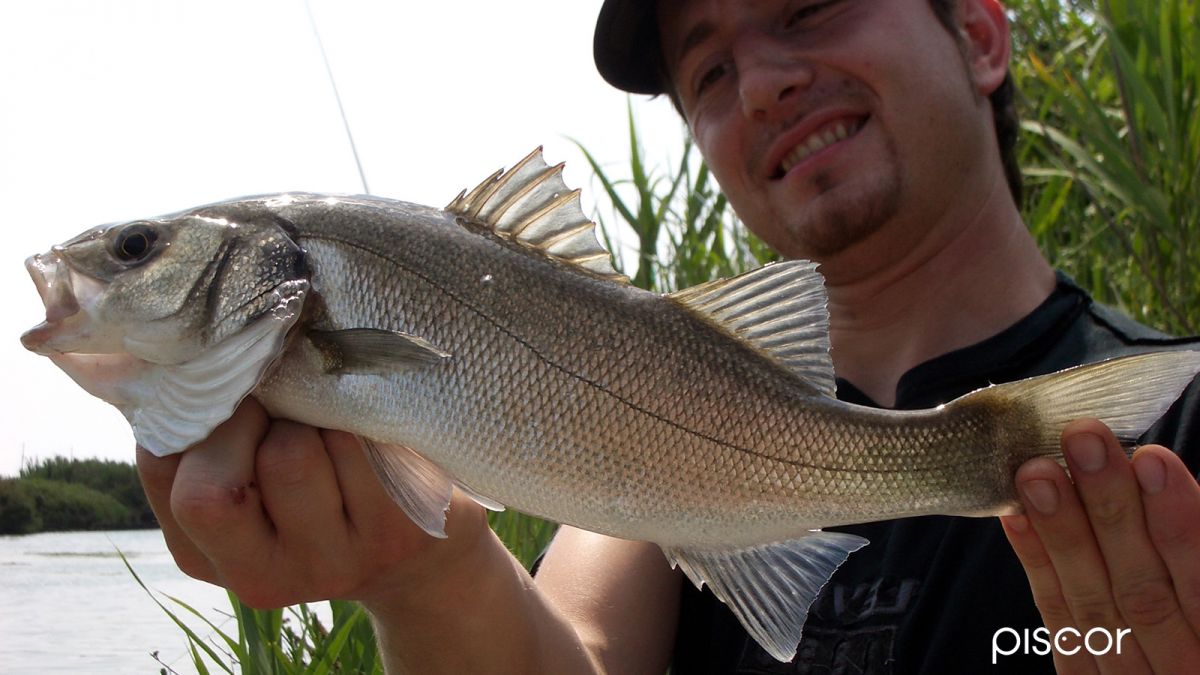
492,347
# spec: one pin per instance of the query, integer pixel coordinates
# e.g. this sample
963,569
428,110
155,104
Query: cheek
722,151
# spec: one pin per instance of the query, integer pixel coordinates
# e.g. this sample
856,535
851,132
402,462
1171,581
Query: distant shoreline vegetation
61,494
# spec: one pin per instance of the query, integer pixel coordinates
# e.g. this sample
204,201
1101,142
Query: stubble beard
847,215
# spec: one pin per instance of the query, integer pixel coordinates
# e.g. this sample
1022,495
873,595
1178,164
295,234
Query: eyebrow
695,37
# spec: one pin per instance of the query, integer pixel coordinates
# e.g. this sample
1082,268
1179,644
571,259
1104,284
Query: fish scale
490,346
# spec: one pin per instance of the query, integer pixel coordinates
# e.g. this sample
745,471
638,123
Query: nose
770,79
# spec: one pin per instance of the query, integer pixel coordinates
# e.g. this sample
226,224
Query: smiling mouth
821,138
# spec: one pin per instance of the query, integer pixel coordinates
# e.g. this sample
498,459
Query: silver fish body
491,346
603,405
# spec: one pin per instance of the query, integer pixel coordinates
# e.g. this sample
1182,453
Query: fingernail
1151,473
1042,494
1088,452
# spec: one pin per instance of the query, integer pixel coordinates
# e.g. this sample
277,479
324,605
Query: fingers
1062,527
366,502
1171,499
300,495
1092,537
280,512
1047,592
158,476
1142,585
215,499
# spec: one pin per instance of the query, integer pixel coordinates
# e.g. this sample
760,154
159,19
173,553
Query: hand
1118,549
281,513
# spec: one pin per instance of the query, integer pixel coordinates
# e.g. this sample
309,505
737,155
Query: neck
984,270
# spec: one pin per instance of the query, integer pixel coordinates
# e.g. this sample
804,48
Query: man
935,288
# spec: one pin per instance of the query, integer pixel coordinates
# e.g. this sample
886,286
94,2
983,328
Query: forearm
482,614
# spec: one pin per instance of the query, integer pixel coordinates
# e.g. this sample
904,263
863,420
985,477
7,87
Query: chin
841,217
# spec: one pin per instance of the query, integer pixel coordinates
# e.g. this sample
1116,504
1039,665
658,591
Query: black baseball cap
626,46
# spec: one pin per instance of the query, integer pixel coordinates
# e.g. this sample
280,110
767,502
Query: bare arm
598,605
622,597
283,513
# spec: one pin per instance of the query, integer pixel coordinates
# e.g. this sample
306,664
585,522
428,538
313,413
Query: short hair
1004,108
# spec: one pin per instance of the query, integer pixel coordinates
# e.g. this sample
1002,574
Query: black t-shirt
928,594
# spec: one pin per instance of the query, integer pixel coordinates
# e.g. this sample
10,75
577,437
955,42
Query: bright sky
113,111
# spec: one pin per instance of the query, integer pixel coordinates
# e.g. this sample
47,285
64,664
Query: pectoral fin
770,588
374,350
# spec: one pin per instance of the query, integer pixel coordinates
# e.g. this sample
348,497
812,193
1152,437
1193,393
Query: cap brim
626,47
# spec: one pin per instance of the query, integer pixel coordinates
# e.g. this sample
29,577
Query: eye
711,77
805,12
134,243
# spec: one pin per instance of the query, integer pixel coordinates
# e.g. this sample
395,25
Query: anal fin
770,587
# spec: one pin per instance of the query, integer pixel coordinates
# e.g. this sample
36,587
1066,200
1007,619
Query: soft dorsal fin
779,309
531,205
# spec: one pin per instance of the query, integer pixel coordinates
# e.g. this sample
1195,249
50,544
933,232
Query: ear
984,29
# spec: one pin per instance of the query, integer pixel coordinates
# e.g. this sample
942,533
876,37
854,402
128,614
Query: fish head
161,290
173,320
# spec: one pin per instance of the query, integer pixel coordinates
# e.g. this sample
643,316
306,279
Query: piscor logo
1067,641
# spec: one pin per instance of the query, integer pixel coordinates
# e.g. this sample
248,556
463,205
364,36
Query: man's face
827,121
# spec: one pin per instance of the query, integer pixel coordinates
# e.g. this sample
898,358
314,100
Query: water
68,605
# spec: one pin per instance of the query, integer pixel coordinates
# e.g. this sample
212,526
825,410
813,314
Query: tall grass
290,641
685,230
1111,91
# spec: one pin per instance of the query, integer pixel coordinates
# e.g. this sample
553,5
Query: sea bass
491,346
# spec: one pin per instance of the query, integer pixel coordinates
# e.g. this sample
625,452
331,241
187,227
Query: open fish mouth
52,277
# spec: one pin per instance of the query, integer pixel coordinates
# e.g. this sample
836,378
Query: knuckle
201,504
288,454
1174,534
1036,560
1109,512
1054,611
1189,597
1149,602
1093,609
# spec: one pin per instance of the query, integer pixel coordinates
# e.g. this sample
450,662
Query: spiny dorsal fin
531,205
780,309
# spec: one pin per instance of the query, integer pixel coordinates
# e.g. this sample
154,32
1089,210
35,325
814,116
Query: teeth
816,142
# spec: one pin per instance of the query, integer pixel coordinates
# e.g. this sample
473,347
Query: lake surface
68,605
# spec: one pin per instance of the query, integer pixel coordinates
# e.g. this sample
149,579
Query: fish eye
134,243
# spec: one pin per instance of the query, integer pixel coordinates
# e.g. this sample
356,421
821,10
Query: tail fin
1128,394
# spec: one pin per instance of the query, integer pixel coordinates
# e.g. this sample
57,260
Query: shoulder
1124,332
1097,332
